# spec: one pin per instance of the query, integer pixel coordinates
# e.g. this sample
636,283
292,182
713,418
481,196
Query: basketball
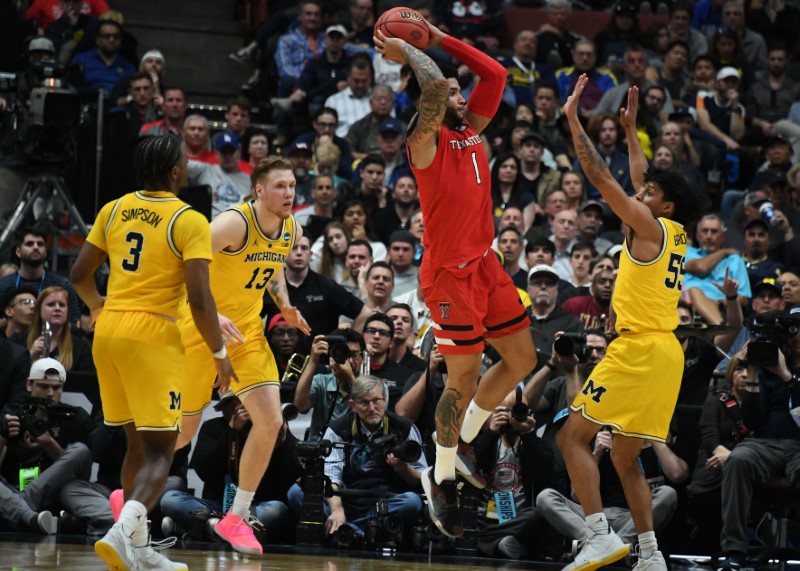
406,24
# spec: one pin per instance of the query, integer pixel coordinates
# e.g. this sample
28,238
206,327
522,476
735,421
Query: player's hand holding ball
406,25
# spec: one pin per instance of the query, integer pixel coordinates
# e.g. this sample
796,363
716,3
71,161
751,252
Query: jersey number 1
475,164
675,271
136,240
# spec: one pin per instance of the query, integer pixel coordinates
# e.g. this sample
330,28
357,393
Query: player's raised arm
634,213
636,160
433,101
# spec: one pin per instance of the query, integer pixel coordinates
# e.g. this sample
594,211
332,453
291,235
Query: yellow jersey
238,279
148,235
646,294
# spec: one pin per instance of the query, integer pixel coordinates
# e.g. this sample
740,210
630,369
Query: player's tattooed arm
278,292
448,417
435,91
591,161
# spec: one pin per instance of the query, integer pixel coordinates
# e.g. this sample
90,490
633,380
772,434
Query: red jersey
455,196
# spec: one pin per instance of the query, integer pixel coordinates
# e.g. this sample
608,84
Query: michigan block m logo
175,400
596,392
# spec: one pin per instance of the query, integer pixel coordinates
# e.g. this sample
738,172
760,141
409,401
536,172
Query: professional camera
519,412
31,423
346,537
573,344
289,411
384,530
407,451
772,332
337,348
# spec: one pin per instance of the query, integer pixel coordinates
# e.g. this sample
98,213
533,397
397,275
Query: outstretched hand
390,48
627,115
572,106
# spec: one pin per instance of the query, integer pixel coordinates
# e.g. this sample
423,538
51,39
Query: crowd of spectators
720,102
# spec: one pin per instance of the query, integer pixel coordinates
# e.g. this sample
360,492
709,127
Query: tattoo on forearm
591,161
275,291
435,91
448,418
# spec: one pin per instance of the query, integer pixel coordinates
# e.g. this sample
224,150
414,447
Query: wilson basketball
406,24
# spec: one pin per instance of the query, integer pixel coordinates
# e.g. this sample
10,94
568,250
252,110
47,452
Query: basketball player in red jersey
470,297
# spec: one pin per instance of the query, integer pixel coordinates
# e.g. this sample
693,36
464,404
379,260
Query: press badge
26,476
228,494
506,507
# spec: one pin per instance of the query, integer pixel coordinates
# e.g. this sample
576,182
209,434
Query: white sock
133,519
473,421
241,503
598,523
647,544
445,466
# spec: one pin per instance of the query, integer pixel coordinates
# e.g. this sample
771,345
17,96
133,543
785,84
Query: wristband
221,354
731,297
550,365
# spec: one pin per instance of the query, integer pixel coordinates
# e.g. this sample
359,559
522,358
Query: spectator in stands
603,130
65,30
50,329
378,335
391,148
31,249
673,75
548,115
357,261
328,393
354,216
301,154
601,80
363,134
507,183
195,139
773,448
219,446
353,102
554,202
328,251
589,223
775,20
572,184
753,44
104,66
556,44
371,188
152,63
790,288
229,185
327,159
397,215
378,286
707,16
702,80
237,115
581,255
402,246
593,310
44,464
325,123
355,468
45,12
296,47
769,99
284,341
709,262
620,37
174,108
320,298
756,253
403,340
535,178
523,72
680,18
509,243
140,108
726,50
359,27
722,429
19,309
564,236
14,373
547,317
323,194
255,146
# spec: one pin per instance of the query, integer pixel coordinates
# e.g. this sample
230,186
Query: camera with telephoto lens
337,348
519,412
407,451
33,424
772,332
573,344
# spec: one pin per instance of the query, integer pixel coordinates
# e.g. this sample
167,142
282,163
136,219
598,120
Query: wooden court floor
25,552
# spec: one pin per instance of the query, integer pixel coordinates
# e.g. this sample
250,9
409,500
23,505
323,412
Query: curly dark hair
690,204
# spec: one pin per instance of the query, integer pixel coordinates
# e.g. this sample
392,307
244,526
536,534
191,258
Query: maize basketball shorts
471,303
635,387
252,362
140,369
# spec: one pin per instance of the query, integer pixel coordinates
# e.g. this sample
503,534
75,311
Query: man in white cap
43,444
721,114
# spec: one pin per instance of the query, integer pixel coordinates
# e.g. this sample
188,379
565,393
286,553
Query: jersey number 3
136,241
675,271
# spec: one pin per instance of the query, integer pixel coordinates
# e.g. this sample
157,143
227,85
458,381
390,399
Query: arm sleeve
486,96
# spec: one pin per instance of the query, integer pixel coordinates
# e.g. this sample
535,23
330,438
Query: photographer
378,334
329,393
365,467
510,453
43,443
771,409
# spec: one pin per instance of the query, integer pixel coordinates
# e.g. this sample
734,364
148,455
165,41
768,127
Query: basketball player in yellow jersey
157,248
634,389
251,243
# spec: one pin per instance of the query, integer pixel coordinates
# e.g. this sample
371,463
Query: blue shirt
294,50
733,263
96,73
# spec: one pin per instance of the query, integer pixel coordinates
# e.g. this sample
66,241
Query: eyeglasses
378,332
26,301
378,401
